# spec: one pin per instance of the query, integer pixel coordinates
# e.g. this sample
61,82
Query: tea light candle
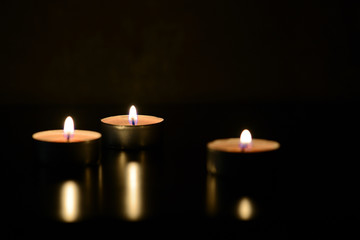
132,131
233,156
68,146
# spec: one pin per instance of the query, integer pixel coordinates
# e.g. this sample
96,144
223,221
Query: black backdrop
289,71
178,51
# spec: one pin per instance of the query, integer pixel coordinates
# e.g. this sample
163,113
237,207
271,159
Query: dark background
288,71
178,51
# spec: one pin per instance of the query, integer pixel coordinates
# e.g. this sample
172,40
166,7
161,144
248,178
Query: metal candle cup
53,149
119,133
227,157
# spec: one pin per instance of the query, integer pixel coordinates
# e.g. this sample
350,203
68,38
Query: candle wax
58,136
123,120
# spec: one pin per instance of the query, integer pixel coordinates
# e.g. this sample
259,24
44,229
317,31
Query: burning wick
245,140
132,115
68,128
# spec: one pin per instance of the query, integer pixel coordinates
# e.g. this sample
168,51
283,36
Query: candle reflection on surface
211,193
69,195
69,202
100,186
245,209
226,197
133,198
128,179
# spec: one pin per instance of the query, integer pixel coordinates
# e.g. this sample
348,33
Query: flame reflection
133,194
129,182
228,198
245,209
123,173
69,201
211,198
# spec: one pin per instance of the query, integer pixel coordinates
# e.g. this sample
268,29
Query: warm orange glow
69,128
245,139
133,115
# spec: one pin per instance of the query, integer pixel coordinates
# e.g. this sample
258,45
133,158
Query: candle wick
133,121
68,137
243,147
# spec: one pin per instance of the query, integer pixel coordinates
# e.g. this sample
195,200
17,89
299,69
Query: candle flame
69,128
245,139
133,115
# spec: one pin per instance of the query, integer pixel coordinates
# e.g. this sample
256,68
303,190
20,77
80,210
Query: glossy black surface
166,192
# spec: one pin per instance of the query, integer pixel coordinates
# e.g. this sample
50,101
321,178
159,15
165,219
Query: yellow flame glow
245,209
133,199
69,127
133,115
69,209
245,138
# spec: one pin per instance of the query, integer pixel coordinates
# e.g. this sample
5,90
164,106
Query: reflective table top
309,187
